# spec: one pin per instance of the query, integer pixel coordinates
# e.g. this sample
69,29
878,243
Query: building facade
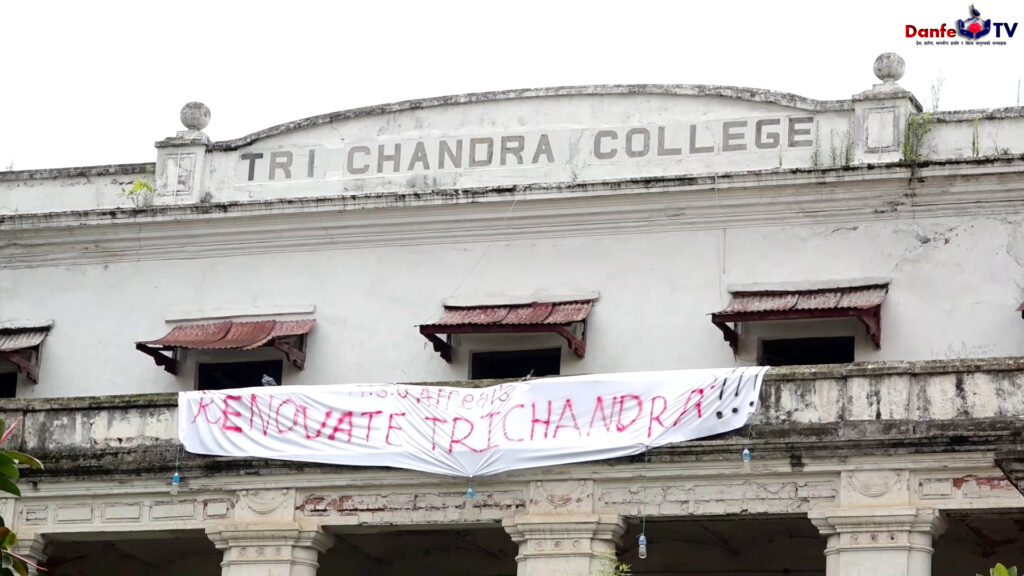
871,253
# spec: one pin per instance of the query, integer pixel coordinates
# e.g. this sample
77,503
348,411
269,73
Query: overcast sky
98,82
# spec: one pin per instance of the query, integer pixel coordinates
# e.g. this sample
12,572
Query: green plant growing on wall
917,129
1000,570
816,152
10,562
612,567
840,151
140,194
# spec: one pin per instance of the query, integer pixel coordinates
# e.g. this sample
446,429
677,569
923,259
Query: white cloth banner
470,431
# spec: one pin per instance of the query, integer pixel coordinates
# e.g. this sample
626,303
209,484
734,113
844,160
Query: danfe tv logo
973,28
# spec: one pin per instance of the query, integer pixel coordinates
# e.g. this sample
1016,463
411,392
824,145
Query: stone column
269,549
32,547
571,544
893,541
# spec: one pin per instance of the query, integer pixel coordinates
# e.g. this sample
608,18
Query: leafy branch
12,563
612,567
1000,570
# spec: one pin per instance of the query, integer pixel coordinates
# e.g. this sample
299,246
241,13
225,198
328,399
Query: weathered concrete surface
804,412
1012,464
584,125
937,241
69,189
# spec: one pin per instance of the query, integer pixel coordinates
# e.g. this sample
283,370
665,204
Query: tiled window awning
536,317
288,336
862,302
19,344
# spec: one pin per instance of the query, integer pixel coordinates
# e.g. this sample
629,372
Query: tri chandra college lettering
659,142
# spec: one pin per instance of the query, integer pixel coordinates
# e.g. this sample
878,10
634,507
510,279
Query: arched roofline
734,92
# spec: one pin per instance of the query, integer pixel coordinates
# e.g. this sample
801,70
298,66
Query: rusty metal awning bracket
294,349
728,334
169,363
870,317
577,344
26,360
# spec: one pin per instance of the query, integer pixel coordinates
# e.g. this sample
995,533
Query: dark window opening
797,351
8,385
229,375
515,364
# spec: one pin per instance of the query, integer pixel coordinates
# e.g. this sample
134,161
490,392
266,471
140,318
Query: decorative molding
561,496
73,513
117,512
563,210
376,506
874,483
733,494
270,503
172,511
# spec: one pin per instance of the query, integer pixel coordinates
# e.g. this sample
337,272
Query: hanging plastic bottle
746,459
175,483
642,546
470,494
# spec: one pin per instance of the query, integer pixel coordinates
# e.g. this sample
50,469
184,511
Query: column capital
897,519
564,527
894,541
271,548
564,544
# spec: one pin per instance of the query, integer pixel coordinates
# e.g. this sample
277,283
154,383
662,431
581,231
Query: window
796,351
8,384
515,364
224,376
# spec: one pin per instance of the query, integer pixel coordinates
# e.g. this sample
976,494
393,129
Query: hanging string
745,455
176,479
642,541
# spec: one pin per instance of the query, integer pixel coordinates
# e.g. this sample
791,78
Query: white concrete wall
68,189
954,286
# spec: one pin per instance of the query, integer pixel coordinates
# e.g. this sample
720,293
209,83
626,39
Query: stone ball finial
889,67
195,116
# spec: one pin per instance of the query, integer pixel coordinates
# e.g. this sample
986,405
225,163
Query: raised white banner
470,431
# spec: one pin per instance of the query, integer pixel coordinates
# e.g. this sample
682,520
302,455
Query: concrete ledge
78,171
971,405
951,366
